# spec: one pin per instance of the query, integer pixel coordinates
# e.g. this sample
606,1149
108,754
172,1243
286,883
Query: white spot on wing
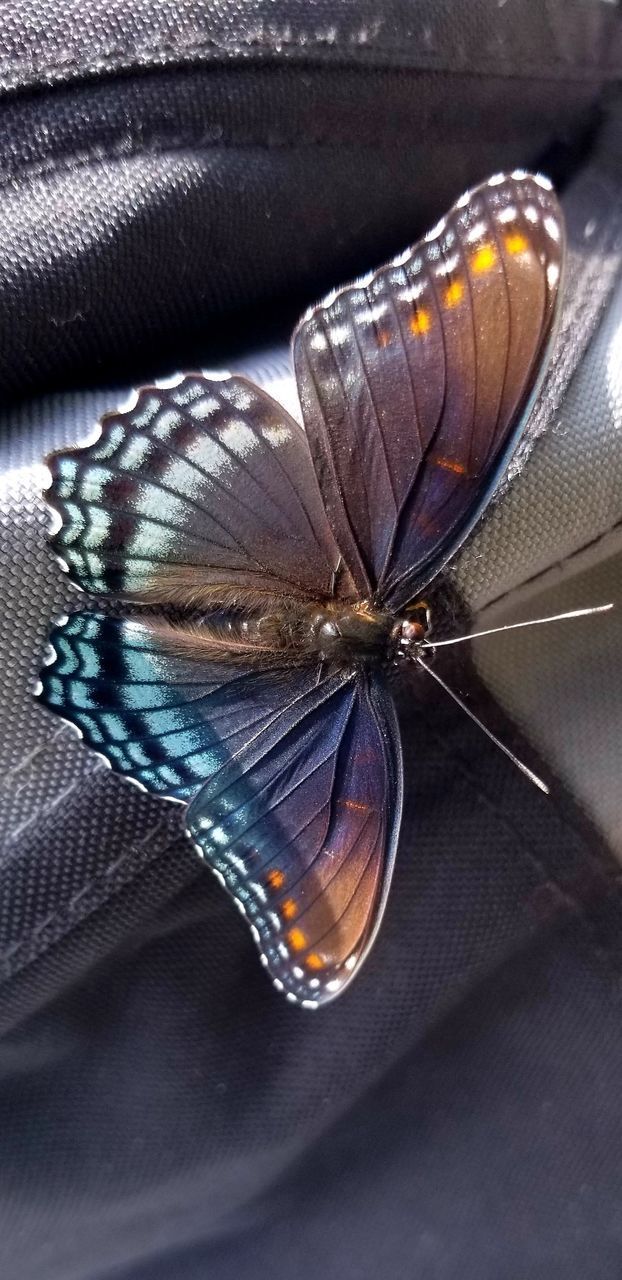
238,437
401,258
445,268
436,231
411,292
339,334
476,232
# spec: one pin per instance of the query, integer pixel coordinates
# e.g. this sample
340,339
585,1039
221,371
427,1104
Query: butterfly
270,577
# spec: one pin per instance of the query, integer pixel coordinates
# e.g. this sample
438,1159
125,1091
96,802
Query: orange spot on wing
297,939
314,961
357,805
516,243
275,878
420,322
483,259
384,338
289,909
448,464
453,293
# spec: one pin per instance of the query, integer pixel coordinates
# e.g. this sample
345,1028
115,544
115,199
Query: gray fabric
258,153
40,42
561,684
569,493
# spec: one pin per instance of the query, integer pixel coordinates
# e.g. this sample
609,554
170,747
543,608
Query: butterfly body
280,565
289,633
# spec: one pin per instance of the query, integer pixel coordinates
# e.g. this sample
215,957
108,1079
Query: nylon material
563,689
218,165
41,43
569,492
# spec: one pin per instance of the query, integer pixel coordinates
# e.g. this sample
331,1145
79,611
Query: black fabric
164,1115
143,216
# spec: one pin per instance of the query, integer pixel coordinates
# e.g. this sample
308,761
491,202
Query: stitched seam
556,564
20,953
355,47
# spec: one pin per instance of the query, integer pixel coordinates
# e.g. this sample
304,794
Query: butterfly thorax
360,633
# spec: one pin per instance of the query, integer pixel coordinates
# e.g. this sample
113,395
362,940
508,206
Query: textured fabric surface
200,1119
570,41
559,686
142,216
164,1114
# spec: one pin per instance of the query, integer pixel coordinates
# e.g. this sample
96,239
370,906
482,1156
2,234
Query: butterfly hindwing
161,717
415,382
204,483
302,826
294,783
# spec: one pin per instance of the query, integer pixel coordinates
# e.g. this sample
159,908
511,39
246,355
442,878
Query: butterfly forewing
198,485
415,382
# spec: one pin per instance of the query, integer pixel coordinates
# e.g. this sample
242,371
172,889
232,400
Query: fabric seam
325,46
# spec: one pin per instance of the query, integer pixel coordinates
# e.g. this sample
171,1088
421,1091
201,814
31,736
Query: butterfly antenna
514,626
533,777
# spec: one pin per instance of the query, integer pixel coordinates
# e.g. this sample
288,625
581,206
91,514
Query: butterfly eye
412,631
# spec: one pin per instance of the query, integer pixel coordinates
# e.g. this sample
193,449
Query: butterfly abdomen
290,633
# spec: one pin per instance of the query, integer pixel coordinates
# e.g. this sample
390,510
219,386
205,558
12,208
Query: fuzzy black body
285,633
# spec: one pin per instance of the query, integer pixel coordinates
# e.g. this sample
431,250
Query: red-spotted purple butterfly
288,566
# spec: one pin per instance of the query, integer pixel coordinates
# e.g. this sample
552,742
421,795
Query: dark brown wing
301,825
198,485
415,382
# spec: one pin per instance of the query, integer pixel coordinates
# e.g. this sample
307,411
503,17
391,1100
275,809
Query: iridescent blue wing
302,826
296,783
205,483
162,717
415,383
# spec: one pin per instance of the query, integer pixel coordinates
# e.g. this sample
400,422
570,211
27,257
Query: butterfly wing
415,383
296,783
205,483
302,826
162,717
